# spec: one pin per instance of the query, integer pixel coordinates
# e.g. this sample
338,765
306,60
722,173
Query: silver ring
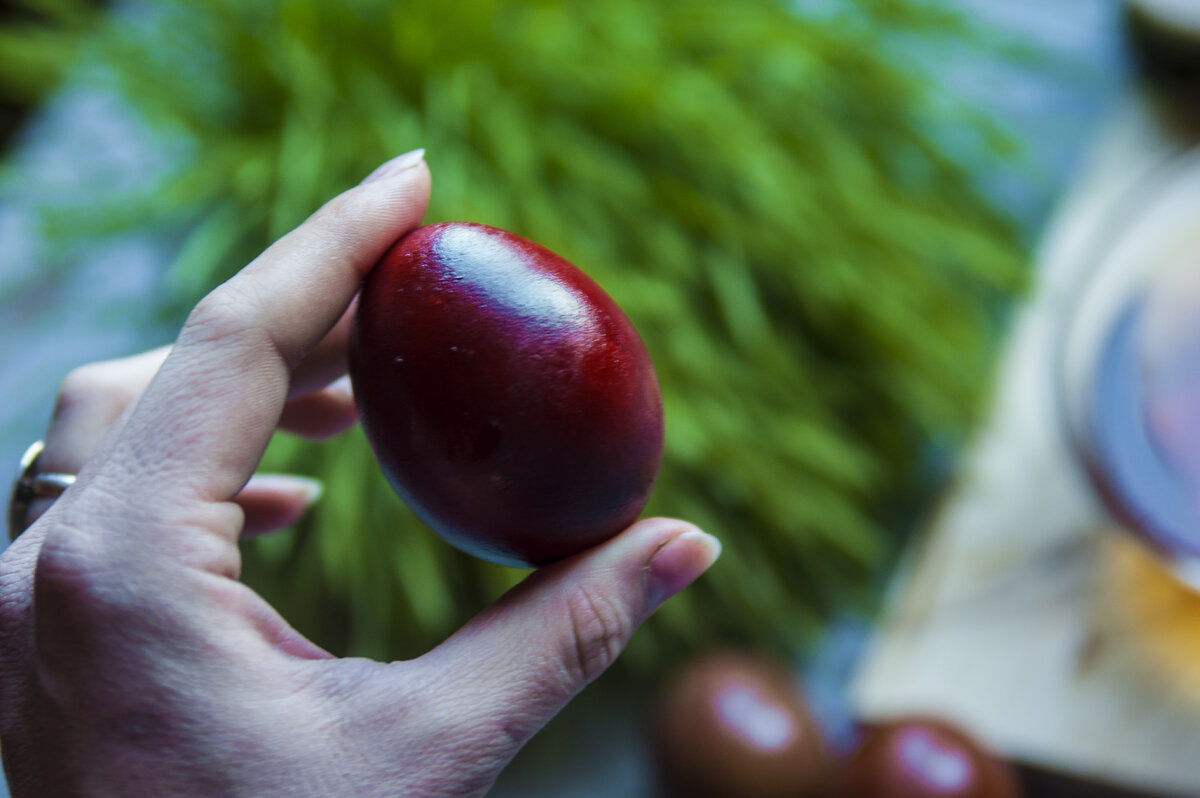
30,485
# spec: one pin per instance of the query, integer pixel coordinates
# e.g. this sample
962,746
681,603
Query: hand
133,661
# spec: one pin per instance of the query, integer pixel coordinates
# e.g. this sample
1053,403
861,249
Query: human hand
133,661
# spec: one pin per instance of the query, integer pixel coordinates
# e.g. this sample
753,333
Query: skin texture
133,661
733,724
509,400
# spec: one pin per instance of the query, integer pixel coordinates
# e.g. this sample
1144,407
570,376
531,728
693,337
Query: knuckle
221,315
81,584
62,573
73,550
92,385
599,631
235,318
83,380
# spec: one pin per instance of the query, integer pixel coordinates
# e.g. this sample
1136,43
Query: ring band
30,485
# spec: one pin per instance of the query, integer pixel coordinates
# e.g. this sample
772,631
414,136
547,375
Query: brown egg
733,725
923,757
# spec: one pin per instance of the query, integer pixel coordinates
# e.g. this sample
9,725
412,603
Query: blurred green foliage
766,193
38,40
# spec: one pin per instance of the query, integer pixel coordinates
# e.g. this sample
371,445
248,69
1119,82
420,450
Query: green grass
818,280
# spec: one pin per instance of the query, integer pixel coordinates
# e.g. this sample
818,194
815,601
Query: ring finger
94,398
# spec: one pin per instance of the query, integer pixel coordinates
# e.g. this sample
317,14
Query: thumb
519,662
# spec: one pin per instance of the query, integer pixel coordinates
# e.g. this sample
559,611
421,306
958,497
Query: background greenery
784,203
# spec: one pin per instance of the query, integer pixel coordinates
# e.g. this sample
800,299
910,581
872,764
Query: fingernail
341,387
400,163
310,489
678,563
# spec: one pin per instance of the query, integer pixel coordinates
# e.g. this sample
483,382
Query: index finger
206,418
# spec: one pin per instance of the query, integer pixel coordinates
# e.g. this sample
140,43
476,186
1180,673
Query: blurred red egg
923,757
733,725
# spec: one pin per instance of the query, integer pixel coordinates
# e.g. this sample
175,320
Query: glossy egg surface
922,757
510,402
733,724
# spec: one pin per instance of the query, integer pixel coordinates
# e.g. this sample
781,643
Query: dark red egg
734,725
923,757
510,402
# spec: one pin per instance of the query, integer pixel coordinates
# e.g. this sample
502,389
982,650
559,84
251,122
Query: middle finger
94,397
